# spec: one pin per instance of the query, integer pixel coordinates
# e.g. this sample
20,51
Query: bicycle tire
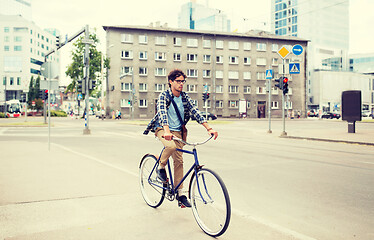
213,215
152,195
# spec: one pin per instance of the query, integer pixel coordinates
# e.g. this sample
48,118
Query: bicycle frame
195,166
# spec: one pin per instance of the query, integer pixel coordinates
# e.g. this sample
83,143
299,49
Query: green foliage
33,95
57,113
75,69
2,115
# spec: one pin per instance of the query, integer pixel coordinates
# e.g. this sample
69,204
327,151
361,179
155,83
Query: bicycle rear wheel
150,185
210,202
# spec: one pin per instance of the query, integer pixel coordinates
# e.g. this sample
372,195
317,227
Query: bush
57,113
2,115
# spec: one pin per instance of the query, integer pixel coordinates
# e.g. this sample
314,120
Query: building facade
362,63
23,46
325,23
200,17
16,7
232,66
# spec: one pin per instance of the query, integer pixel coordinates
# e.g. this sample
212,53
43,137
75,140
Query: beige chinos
170,150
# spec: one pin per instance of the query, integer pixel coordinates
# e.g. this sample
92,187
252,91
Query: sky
69,16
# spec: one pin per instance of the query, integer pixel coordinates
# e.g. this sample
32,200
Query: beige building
232,66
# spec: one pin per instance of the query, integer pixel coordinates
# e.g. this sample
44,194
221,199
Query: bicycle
208,194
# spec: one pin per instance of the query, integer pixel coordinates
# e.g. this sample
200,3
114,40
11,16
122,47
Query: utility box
351,108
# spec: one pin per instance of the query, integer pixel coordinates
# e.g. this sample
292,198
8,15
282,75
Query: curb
329,140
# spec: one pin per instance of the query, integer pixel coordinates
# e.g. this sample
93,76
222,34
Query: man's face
177,84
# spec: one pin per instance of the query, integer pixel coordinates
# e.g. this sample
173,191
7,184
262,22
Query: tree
33,94
75,69
30,94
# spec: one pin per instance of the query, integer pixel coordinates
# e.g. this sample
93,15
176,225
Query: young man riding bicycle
174,108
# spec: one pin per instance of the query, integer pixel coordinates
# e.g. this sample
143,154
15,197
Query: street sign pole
269,107
86,130
283,107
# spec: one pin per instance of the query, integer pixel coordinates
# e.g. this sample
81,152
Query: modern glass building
200,17
16,7
325,23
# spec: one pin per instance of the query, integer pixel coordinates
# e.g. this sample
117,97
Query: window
125,103
288,105
219,88
247,46
143,103
248,104
219,74
233,104
261,47
206,43
6,39
191,57
195,102
261,90
247,89
126,38
18,48
160,40
126,54
177,41
143,87
206,104
126,70
261,61
4,80
233,89
274,47
247,60
191,42
143,71
274,61
177,57
160,72
160,87
219,44
233,74
18,39
143,39
143,55
6,29
219,59
260,75
11,81
6,48
274,105
247,75
160,56
18,81
191,88
191,72
126,87
206,58
274,90
219,104
233,60
206,73
233,45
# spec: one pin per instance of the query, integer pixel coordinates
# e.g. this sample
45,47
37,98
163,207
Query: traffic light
129,101
57,41
81,86
279,83
204,96
207,95
285,85
45,94
91,84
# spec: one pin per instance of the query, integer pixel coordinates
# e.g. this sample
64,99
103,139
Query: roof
252,33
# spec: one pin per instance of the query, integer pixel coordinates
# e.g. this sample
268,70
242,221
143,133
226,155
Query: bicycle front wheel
150,185
210,202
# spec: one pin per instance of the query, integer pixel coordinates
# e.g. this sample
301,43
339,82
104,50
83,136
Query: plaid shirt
163,103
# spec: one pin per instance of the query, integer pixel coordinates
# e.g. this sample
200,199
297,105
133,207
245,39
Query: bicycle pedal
181,205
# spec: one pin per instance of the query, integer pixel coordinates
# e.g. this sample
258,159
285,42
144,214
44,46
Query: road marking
97,160
3,130
276,227
368,162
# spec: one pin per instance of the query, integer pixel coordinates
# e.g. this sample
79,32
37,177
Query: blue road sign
294,68
297,49
269,73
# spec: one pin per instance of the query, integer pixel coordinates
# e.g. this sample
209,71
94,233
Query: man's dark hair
174,74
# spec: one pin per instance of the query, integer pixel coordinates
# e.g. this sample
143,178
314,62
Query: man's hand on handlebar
214,133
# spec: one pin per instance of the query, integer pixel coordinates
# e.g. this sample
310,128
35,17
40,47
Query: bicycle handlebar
192,144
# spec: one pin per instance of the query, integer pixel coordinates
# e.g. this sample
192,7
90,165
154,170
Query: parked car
330,115
313,113
211,116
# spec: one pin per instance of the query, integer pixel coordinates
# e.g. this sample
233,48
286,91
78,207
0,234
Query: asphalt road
87,187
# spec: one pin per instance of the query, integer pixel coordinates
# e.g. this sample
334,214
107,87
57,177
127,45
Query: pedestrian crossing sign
294,68
269,74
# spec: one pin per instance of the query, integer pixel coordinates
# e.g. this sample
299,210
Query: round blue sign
297,49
